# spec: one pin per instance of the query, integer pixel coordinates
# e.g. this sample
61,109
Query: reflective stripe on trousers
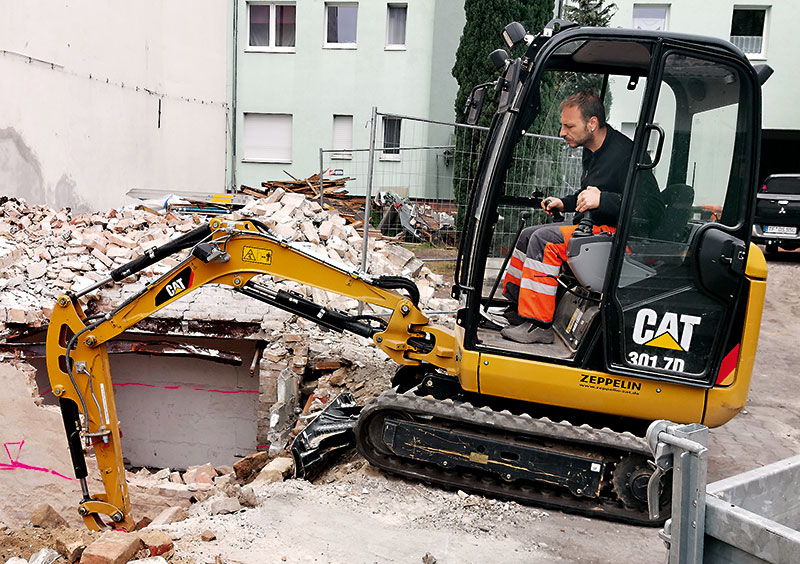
530,278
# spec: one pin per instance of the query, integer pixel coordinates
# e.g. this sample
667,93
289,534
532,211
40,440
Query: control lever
537,202
585,225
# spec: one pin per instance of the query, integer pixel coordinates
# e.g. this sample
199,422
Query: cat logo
256,255
674,331
175,287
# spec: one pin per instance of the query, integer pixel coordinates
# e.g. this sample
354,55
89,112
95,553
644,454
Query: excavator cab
668,304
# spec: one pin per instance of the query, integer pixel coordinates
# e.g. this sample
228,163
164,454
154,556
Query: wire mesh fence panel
423,171
545,166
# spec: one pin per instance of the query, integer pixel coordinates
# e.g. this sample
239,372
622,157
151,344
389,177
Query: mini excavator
659,320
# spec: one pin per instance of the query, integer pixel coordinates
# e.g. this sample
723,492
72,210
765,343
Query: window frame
390,153
342,155
396,46
325,43
266,159
273,29
665,7
762,55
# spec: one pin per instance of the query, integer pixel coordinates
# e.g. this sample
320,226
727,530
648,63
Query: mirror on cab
475,102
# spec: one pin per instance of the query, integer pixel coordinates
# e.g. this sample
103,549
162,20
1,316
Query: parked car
777,220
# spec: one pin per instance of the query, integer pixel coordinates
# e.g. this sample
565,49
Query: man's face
574,129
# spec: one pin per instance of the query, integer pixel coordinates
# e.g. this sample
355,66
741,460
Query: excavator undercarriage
469,443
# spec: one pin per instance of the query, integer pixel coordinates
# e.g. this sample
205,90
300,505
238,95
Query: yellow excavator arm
223,252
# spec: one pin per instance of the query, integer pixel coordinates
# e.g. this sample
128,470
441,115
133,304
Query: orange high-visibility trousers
531,274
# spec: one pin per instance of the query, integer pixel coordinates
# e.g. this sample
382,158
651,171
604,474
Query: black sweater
607,169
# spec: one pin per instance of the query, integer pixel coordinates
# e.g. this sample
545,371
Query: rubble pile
334,195
45,252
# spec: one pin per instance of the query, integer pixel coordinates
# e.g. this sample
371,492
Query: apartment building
307,74
765,32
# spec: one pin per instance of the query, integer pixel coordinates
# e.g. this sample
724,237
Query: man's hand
588,199
551,204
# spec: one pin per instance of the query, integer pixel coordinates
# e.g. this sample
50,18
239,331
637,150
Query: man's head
583,119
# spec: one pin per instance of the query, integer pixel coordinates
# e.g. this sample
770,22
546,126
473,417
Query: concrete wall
314,83
713,17
211,417
82,81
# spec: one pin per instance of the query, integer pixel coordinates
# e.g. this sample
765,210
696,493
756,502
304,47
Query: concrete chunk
223,505
71,551
326,229
204,474
46,517
275,471
169,515
311,234
44,556
275,196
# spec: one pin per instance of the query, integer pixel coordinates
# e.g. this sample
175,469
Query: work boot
528,333
513,317
504,316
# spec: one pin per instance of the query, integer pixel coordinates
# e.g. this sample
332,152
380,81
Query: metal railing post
368,196
683,449
370,177
321,172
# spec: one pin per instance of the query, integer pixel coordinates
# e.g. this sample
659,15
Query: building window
272,27
342,136
396,26
340,25
391,139
748,27
648,16
267,138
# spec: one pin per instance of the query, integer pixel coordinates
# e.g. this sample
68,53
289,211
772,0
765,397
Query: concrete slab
34,458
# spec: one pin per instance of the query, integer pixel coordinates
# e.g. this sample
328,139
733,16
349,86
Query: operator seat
587,256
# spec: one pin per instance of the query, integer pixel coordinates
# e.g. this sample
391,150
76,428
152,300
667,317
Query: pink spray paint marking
140,384
186,387
16,464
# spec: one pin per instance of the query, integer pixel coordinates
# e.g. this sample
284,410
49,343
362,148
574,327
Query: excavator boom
223,252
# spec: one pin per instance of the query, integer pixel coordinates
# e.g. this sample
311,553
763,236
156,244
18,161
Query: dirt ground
355,514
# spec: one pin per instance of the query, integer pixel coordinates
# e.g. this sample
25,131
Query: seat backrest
678,200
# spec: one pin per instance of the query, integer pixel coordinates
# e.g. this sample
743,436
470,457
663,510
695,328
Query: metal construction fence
426,167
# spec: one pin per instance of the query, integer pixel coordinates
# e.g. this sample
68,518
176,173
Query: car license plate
780,229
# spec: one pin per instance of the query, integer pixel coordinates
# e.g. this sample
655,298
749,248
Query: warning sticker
257,255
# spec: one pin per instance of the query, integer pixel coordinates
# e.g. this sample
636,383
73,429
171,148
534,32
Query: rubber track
503,422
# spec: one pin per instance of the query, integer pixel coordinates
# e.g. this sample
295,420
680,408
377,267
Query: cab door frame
716,252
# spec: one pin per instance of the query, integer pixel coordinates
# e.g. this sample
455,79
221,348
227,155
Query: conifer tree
485,20
590,13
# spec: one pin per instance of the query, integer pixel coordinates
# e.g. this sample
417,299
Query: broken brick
113,547
156,542
249,465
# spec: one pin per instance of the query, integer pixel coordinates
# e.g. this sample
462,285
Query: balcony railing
749,44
